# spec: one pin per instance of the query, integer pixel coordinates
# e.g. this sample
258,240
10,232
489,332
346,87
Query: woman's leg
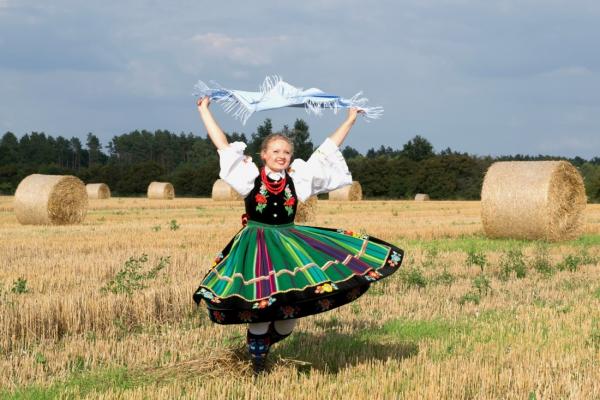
260,337
281,329
284,326
259,328
259,341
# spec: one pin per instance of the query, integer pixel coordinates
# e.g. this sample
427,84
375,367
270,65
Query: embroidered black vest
268,208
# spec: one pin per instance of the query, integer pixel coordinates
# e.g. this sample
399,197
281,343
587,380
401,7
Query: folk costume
273,269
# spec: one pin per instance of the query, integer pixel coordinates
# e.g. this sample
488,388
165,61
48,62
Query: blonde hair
276,136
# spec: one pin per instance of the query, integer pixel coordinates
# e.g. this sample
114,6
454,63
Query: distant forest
129,162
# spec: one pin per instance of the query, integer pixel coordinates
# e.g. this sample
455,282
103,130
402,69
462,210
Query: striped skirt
273,272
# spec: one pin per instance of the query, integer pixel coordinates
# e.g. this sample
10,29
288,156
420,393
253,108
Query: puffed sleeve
237,169
325,170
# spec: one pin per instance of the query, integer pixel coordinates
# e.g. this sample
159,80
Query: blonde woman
273,271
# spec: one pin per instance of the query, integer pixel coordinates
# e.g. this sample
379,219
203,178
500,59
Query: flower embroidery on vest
261,198
289,200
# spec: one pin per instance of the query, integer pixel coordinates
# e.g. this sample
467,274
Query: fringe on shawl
226,98
313,103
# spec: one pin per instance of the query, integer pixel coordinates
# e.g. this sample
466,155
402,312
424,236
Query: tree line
129,162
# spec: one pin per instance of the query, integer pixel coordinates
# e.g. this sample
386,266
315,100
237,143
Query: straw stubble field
467,317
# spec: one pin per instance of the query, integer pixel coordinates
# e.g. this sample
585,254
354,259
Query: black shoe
258,347
259,365
274,335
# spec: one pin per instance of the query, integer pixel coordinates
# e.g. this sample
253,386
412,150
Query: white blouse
325,170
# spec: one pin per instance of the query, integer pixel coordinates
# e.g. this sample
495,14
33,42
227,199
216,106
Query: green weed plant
512,262
570,263
541,260
413,277
20,286
476,258
132,276
482,284
445,278
173,225
470,297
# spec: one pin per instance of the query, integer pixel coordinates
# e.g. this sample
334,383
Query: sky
488,78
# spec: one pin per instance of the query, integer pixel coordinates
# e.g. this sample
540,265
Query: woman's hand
353,114
203,103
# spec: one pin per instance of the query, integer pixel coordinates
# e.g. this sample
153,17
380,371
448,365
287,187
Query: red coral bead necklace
273,187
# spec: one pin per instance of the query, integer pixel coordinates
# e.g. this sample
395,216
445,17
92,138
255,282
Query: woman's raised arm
215,133
338,136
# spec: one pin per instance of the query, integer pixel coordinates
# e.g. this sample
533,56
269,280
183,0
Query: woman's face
277,155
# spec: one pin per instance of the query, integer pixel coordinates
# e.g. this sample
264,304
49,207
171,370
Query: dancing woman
273,271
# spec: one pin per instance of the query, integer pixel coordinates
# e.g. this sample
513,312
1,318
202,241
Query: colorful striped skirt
273,272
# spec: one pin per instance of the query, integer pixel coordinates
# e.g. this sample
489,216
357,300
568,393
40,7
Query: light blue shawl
275,93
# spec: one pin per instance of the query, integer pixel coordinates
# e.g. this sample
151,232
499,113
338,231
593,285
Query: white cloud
253,51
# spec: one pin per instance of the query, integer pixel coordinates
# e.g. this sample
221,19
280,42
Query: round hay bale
50,200
351,192
222,191
161,191
306,210
97,191
533,200
421,197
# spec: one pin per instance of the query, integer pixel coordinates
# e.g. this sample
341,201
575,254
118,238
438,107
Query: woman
274,271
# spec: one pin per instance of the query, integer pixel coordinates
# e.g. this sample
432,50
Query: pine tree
94,149
417,149
9,149
300,136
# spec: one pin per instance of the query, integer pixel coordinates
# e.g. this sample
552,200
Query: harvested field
467,317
